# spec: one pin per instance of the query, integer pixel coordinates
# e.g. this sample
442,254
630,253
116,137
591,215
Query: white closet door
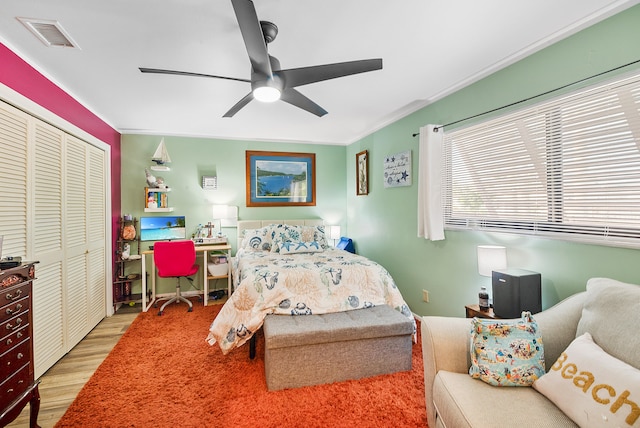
97,284
76,239
48,246
53,209
13,176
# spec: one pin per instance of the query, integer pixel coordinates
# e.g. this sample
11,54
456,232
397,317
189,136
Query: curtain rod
532,97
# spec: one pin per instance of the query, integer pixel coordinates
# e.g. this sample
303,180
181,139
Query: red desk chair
174,259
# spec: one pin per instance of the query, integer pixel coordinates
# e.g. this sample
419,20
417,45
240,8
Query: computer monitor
162,228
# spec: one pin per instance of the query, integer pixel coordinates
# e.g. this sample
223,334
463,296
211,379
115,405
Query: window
567,168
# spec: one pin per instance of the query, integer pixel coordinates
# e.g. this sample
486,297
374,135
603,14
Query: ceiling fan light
266,94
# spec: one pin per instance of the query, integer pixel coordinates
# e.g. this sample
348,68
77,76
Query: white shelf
159,190
158,210
160,168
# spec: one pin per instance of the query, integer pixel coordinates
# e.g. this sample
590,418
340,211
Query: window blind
567,168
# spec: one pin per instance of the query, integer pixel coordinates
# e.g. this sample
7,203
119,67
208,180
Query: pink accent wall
24,79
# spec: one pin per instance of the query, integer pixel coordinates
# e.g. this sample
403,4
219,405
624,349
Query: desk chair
174,259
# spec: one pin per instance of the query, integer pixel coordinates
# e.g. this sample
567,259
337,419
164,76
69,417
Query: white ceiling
429,49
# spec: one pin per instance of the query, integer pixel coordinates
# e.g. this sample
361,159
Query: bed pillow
592,387
282,233
314,233
506,352
300,247
257,239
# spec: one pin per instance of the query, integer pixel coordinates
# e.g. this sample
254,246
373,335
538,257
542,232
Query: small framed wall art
362,173
397,169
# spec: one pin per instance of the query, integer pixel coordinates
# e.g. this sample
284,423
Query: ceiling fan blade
295,98
187,73
236,108
253,37
303,76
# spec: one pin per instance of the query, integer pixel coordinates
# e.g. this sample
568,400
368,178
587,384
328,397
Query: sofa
608,311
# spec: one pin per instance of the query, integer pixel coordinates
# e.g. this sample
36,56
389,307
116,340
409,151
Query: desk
204,249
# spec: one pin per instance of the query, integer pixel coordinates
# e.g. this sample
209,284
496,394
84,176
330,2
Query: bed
288,268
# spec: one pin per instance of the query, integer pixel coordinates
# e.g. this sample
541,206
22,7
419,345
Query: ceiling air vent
50,33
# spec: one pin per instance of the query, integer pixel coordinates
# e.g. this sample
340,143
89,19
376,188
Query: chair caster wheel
190,310
159,313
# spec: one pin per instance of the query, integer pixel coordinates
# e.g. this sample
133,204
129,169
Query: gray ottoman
308,350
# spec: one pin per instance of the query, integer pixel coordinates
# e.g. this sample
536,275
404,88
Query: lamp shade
219,211
334,232
490,258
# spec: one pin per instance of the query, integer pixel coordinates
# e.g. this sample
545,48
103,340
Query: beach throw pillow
592,387
257,239
506,352
299,247
283,233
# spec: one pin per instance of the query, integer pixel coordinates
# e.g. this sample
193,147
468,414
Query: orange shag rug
162,373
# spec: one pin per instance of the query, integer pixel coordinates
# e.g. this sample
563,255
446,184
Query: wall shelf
158,210
156,200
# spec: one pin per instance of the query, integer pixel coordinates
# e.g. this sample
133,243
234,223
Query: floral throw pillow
506,352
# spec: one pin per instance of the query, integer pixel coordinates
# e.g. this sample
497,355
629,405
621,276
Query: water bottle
484,299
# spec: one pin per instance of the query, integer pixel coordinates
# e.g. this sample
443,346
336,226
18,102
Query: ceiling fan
268,81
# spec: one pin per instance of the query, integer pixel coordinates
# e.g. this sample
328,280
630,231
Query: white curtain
430,215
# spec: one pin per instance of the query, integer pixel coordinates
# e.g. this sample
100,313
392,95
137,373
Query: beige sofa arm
558,326
445,346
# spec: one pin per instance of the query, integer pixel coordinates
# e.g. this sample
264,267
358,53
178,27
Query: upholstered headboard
257,224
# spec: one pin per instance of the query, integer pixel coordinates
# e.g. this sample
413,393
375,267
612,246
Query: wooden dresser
17,385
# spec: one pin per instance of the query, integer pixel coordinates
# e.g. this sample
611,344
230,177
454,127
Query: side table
474,311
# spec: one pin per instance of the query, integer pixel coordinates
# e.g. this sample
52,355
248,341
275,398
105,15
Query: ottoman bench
305,350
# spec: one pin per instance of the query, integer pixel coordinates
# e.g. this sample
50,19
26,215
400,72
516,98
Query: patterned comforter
301,284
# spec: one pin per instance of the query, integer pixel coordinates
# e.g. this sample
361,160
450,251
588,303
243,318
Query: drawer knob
18,308
14,297
14,327
20,355
9,341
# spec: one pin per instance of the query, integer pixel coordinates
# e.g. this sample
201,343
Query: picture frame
362,173
277,179
397,170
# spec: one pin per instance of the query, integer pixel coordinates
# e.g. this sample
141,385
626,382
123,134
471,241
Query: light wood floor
62,382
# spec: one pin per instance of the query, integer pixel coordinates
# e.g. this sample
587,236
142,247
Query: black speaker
514,291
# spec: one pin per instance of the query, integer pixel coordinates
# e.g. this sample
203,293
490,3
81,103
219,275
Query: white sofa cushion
611,313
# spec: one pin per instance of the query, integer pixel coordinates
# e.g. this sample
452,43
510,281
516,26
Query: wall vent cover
50,33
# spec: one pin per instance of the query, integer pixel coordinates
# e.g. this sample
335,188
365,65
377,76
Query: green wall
383,223
194,157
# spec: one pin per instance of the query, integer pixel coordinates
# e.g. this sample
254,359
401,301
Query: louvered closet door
85,237
53,209
13,176
97,284
48,294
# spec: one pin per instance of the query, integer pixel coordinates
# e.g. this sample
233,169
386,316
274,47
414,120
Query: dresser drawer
14,300
15,358
11,388
14,308
12,339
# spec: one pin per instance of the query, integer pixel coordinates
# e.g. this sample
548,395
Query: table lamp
490,258
334,234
